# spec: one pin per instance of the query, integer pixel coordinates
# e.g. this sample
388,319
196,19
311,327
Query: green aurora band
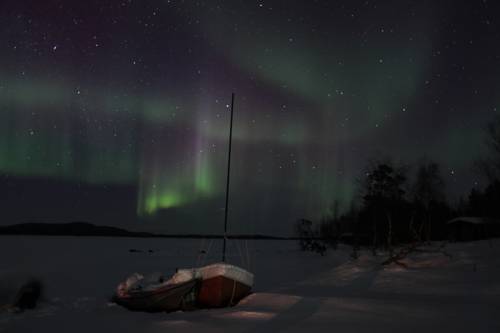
305,106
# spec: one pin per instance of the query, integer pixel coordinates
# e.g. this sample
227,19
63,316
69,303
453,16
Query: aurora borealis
133,96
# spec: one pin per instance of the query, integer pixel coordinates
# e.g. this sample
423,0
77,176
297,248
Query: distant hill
89,229
69,229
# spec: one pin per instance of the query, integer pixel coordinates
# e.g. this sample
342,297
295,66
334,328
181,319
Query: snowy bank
294,291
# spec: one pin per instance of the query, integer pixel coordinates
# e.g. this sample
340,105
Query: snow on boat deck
294,291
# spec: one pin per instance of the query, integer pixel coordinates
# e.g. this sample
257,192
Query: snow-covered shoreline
294,291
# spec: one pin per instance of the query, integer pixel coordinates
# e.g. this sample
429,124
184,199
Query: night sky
117,112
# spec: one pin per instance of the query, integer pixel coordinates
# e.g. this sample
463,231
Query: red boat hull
220,291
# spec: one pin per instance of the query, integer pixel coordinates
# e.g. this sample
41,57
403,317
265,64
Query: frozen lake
294,291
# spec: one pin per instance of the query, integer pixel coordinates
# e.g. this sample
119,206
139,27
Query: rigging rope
247,254
200,252
238,246
202,257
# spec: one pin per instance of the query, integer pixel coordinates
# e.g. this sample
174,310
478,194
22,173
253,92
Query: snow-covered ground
294,291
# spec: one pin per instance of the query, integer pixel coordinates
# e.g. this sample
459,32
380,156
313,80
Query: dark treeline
402,204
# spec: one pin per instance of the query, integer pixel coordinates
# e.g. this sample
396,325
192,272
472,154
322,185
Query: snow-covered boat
216,285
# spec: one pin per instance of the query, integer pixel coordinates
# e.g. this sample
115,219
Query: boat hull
221,291
167,298
213,286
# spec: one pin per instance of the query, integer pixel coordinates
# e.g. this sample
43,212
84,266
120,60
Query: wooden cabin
468,228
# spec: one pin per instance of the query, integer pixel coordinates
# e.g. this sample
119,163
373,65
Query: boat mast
227,180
